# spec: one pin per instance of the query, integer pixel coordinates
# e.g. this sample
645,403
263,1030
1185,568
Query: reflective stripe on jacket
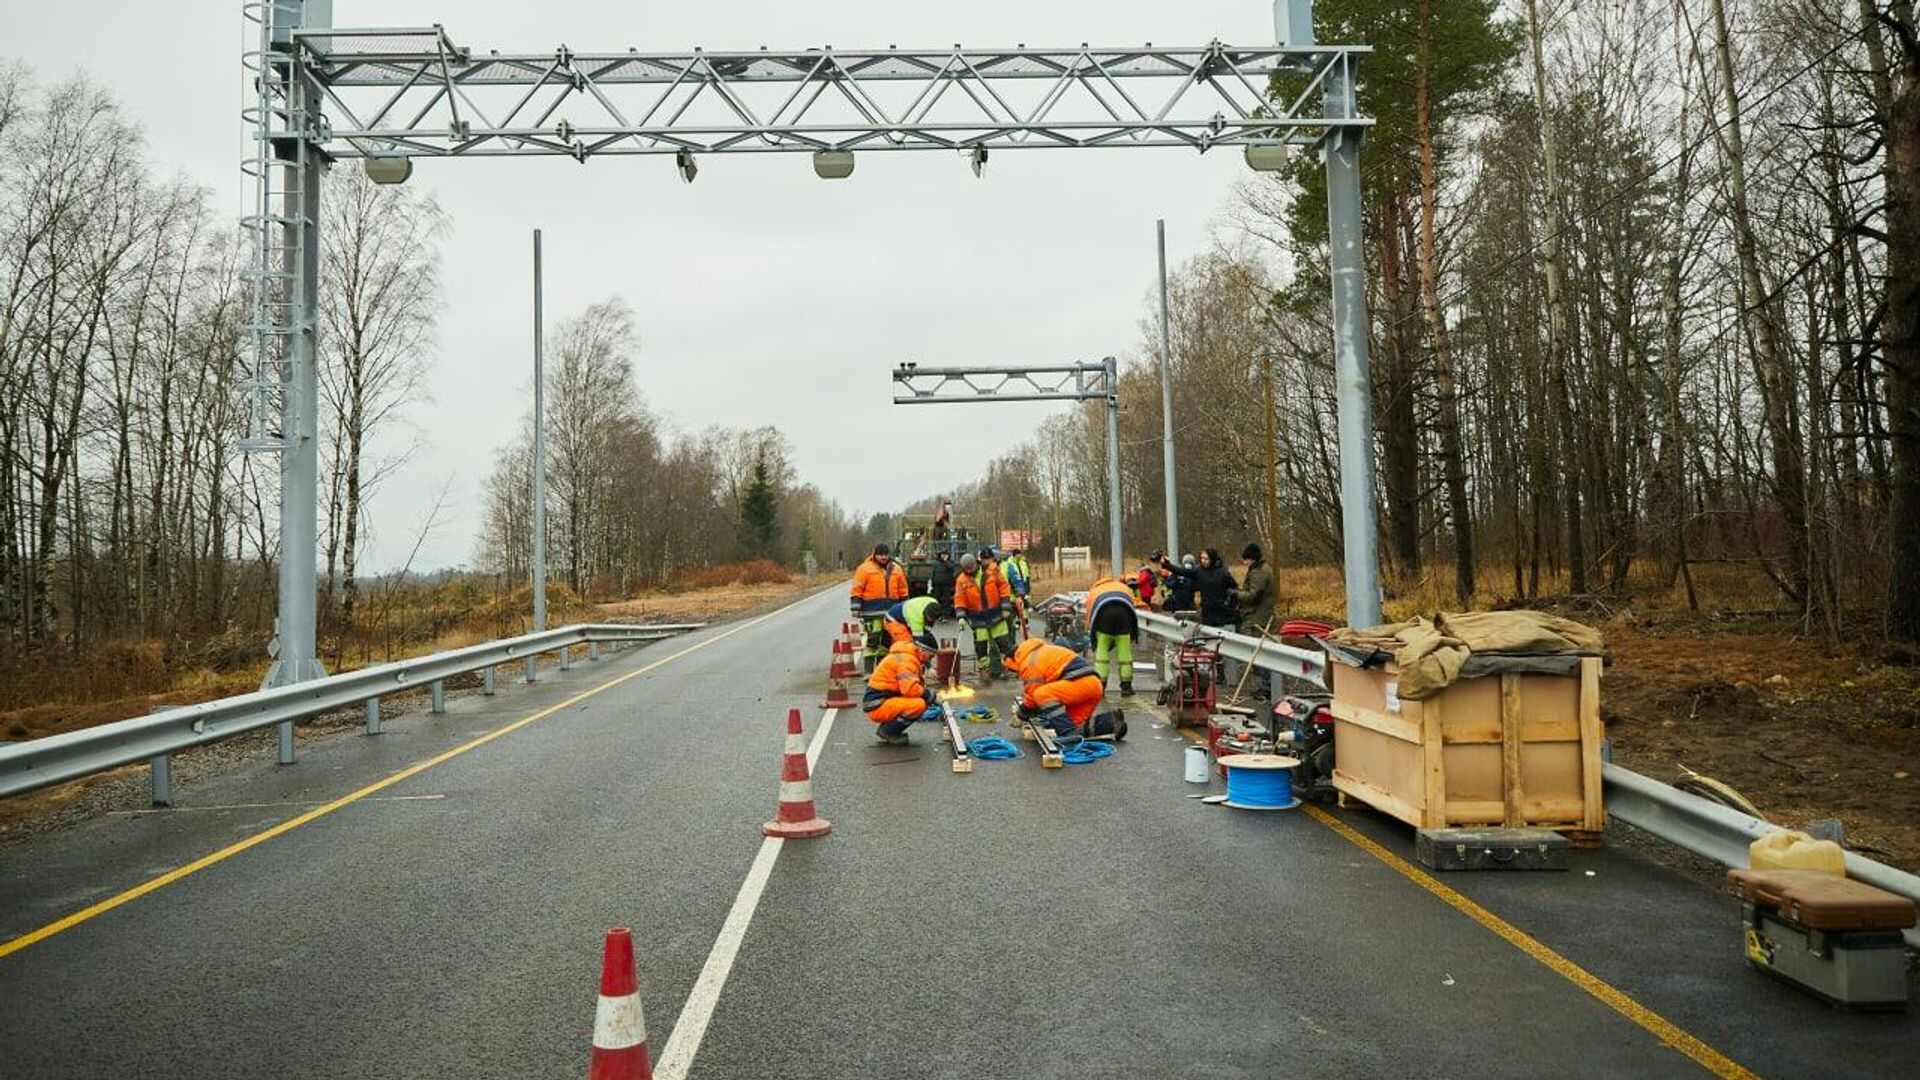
1044,662
982,590
1103,592
871,582
898,673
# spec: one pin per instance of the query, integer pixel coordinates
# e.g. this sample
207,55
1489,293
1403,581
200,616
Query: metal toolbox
1490,849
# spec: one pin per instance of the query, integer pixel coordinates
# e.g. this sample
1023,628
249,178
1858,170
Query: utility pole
1166,405
1113,464
281,332
1352,367
1271,454
539,455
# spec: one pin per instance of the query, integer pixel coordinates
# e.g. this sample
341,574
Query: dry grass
698,605
56,692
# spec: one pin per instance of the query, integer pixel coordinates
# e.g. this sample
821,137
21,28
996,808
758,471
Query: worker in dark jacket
1179,581
1256,598
941,586
1212,585
1256,592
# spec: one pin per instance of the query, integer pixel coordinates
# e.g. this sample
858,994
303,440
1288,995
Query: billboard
1022,539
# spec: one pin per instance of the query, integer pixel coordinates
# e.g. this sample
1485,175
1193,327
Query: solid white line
676,1058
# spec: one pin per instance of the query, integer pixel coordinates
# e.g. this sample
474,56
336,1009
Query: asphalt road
1015,922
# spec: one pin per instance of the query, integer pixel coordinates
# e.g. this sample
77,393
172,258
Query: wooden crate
1512,749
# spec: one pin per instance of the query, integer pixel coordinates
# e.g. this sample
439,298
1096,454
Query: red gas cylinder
946,663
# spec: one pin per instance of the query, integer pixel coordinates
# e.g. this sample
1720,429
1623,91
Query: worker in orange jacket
878,583
1062,692
897,691
1114,626
981,597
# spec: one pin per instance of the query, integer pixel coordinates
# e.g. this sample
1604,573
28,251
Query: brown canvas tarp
1430,653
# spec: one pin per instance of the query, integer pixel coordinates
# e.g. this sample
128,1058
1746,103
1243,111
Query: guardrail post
566,658
533,669
593,650
373,716
163,780
439,689
286,742
486,682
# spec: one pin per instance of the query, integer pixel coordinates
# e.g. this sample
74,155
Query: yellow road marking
162,881
1665,1030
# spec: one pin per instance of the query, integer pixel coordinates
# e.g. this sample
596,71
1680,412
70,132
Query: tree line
1645,295
633,503
126,508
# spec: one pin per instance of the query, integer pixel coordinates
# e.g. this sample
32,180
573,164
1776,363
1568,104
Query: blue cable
992,748
1084,751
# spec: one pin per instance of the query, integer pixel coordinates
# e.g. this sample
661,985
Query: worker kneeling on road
980,596
1062,692
1114,626
897,694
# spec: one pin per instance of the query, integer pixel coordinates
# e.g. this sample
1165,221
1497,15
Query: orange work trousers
1078,696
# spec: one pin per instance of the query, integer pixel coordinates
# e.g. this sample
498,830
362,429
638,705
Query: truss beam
413,92
916,385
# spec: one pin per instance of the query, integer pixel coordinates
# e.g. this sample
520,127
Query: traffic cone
619,1031
795,818
838,672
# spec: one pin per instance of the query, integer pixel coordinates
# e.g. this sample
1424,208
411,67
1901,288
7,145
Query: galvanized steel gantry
387,95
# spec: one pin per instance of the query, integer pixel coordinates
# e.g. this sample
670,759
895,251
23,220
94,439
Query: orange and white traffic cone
795,818
838,672
619,1031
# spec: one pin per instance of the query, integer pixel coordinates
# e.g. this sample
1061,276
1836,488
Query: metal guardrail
1264,653
1698,825
55,759
1722,833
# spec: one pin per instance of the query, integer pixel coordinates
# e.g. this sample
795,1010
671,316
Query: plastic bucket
1197,764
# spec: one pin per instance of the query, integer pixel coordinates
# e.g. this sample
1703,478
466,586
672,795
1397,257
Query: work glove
1025,711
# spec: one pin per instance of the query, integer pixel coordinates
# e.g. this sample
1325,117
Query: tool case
1490,849
1834,938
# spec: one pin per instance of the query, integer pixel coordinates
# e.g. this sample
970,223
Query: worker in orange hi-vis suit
1062,692
878,584
897,693
980,597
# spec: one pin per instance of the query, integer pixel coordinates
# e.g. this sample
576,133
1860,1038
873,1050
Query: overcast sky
763,295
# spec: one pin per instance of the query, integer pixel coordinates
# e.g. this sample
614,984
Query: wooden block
963,764
1433,809
1510,736
1591,735
1051,761
1376,797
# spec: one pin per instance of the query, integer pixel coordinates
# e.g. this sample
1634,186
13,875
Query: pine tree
759,514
